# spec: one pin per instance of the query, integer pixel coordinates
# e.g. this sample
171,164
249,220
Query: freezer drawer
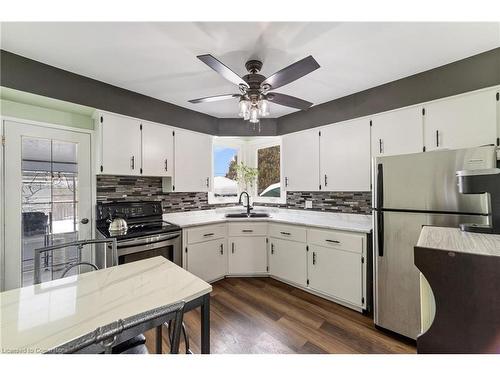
397,281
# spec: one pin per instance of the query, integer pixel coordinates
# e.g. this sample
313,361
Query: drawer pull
221,249
247,230
332,241
208,234
286,233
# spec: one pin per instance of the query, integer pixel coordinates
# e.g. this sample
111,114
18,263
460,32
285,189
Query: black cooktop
143,219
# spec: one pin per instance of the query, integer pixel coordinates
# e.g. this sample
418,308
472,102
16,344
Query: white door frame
3,119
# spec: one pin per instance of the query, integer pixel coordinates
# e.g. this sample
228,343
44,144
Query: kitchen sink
245,215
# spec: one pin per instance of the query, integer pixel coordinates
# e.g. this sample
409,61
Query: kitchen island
42,317
459,291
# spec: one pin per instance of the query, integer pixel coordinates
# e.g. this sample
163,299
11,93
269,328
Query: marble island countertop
453,239
326,220
37,318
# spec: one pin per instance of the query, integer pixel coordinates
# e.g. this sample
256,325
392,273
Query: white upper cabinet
398,132
120,145
193,161
463,121
345,156
157,150
301,161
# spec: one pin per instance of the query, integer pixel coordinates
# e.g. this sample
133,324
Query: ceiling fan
256,90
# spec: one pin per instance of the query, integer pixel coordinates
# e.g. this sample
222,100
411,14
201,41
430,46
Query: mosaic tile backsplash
113,188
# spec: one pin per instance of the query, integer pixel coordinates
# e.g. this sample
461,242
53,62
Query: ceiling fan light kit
255,89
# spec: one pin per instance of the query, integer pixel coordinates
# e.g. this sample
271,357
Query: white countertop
37,318
326,220
454,239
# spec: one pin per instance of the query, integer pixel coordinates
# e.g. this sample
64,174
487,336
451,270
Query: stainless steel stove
147,235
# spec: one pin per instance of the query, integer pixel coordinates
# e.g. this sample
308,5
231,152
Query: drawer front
206,233
288,232
336,239
248,229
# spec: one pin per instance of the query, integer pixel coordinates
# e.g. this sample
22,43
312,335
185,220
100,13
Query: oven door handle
141,241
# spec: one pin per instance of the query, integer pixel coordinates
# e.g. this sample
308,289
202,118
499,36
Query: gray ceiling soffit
237,127
472,73
28,75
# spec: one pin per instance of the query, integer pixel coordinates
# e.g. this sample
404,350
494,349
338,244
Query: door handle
437,138
326,180
286,181
380,146
314,258
272,248
232,247
132,162
208,182
222,249
84,221
166,165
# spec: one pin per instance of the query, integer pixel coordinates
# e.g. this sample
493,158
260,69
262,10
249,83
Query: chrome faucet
248,207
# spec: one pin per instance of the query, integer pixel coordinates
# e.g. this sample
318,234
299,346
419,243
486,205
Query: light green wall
33,107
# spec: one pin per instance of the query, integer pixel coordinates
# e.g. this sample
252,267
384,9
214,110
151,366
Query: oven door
167,245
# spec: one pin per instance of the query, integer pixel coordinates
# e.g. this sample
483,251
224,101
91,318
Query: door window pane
49,204
268,164
225,180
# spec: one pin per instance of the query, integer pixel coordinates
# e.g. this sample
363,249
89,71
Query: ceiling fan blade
291,73
288,101
222,69
216,98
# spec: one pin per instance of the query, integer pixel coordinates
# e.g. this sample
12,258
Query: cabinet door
345,156
288,261
193,161
207,260
120,145
465,121
301,161
247,255
398,132
157,150
337,273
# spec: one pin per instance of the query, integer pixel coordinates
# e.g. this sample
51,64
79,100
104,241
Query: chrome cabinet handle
132,162
208,234
232,247
314,258
326,180
272,248
221,249
332,241
166,165
286,233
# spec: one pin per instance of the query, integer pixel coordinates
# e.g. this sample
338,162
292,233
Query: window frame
230,143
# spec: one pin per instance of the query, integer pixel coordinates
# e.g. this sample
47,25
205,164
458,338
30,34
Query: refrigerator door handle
380,233
380,186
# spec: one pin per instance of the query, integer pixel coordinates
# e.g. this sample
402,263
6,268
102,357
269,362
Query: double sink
242,215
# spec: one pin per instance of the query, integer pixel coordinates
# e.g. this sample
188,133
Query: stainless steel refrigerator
411,191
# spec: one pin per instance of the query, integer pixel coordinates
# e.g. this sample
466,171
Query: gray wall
469,74
28,75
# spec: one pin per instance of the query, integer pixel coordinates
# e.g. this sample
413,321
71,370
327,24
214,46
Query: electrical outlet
308,204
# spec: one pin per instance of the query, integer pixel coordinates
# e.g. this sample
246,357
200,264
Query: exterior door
47,196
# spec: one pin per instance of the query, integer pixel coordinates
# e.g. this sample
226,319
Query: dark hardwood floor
262,315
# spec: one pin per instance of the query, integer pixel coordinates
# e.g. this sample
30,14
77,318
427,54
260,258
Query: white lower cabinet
288,261
207,260
337,273
247,255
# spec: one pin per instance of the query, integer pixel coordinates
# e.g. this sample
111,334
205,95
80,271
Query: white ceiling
159,59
